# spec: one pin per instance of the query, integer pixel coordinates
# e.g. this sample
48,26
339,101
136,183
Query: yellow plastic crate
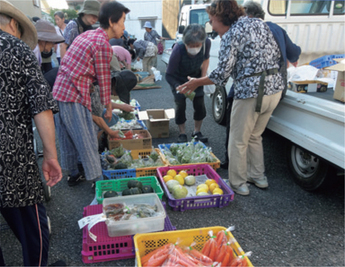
215,165
145,243
149,171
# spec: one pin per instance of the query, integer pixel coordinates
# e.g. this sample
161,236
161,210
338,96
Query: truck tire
219,105
309,171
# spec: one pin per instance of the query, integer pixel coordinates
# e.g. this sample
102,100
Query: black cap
125,81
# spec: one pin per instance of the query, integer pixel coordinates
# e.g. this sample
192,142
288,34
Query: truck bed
314,121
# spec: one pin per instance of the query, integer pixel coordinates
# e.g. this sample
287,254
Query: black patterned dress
23,94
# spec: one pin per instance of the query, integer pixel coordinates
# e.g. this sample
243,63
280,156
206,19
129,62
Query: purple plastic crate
197,202
109,248
325,61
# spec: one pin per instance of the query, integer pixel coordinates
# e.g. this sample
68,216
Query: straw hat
46,32
91,7
148,25
29,35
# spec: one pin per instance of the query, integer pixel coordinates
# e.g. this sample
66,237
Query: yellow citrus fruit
201,190
210,181
213,186
167,178
202,186
171,173
184,174
179,178
217,191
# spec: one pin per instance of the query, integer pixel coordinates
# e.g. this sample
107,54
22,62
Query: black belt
262,75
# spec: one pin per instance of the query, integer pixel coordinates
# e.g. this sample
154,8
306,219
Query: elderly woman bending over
250,55
189,58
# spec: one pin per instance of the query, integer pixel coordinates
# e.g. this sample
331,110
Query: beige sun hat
46,32
29,35
91,7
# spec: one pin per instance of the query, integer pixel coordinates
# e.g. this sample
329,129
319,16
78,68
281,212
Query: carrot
199,256
222,252
206,249
157,251
176,261
239,262
213,249
229,256
231,252
158,261
182,256
221,238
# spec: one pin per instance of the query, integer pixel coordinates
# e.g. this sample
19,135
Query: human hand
51,171
294,64
127,108
114,134
188,87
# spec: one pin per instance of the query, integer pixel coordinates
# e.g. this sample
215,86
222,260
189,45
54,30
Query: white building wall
142,10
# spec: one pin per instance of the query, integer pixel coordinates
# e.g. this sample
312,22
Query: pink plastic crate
109,248
197,202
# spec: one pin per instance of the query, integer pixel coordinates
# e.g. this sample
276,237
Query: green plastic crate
119,185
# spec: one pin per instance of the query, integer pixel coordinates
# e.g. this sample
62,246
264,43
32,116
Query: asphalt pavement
282,225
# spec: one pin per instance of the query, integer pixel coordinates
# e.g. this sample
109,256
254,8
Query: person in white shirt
60,28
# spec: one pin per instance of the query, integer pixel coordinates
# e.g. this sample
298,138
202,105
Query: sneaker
199,137
182,138
75,180
259,182
224,165
241,190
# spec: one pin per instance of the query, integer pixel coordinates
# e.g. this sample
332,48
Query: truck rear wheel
219,105
309,171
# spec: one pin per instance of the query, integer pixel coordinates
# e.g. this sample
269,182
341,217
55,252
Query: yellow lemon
179,178
213,186
171,172
210,181
202,186
167,178
217,191
183,173
201,190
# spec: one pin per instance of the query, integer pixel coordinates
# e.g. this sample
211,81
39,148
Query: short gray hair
4,19
194,34
254,9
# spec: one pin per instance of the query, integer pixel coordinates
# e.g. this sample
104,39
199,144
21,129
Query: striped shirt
86,61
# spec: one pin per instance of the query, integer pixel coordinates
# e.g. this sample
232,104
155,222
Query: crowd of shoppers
91,69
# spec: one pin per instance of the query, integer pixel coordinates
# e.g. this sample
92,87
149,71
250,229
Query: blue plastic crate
116,174
325,61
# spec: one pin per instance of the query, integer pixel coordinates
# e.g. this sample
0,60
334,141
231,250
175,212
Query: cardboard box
157,121
307,86
339,88
132,144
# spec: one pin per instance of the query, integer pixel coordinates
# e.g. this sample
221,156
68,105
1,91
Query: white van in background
314,123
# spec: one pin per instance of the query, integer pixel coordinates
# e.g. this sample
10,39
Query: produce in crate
109,193
190,180
210,248
123,211
109,161
191,251
179,191
170,184
192,152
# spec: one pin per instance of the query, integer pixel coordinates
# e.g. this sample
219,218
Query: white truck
312,123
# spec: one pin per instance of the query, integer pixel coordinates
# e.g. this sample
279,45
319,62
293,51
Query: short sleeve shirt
246,49
71,32
24,93
86,61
